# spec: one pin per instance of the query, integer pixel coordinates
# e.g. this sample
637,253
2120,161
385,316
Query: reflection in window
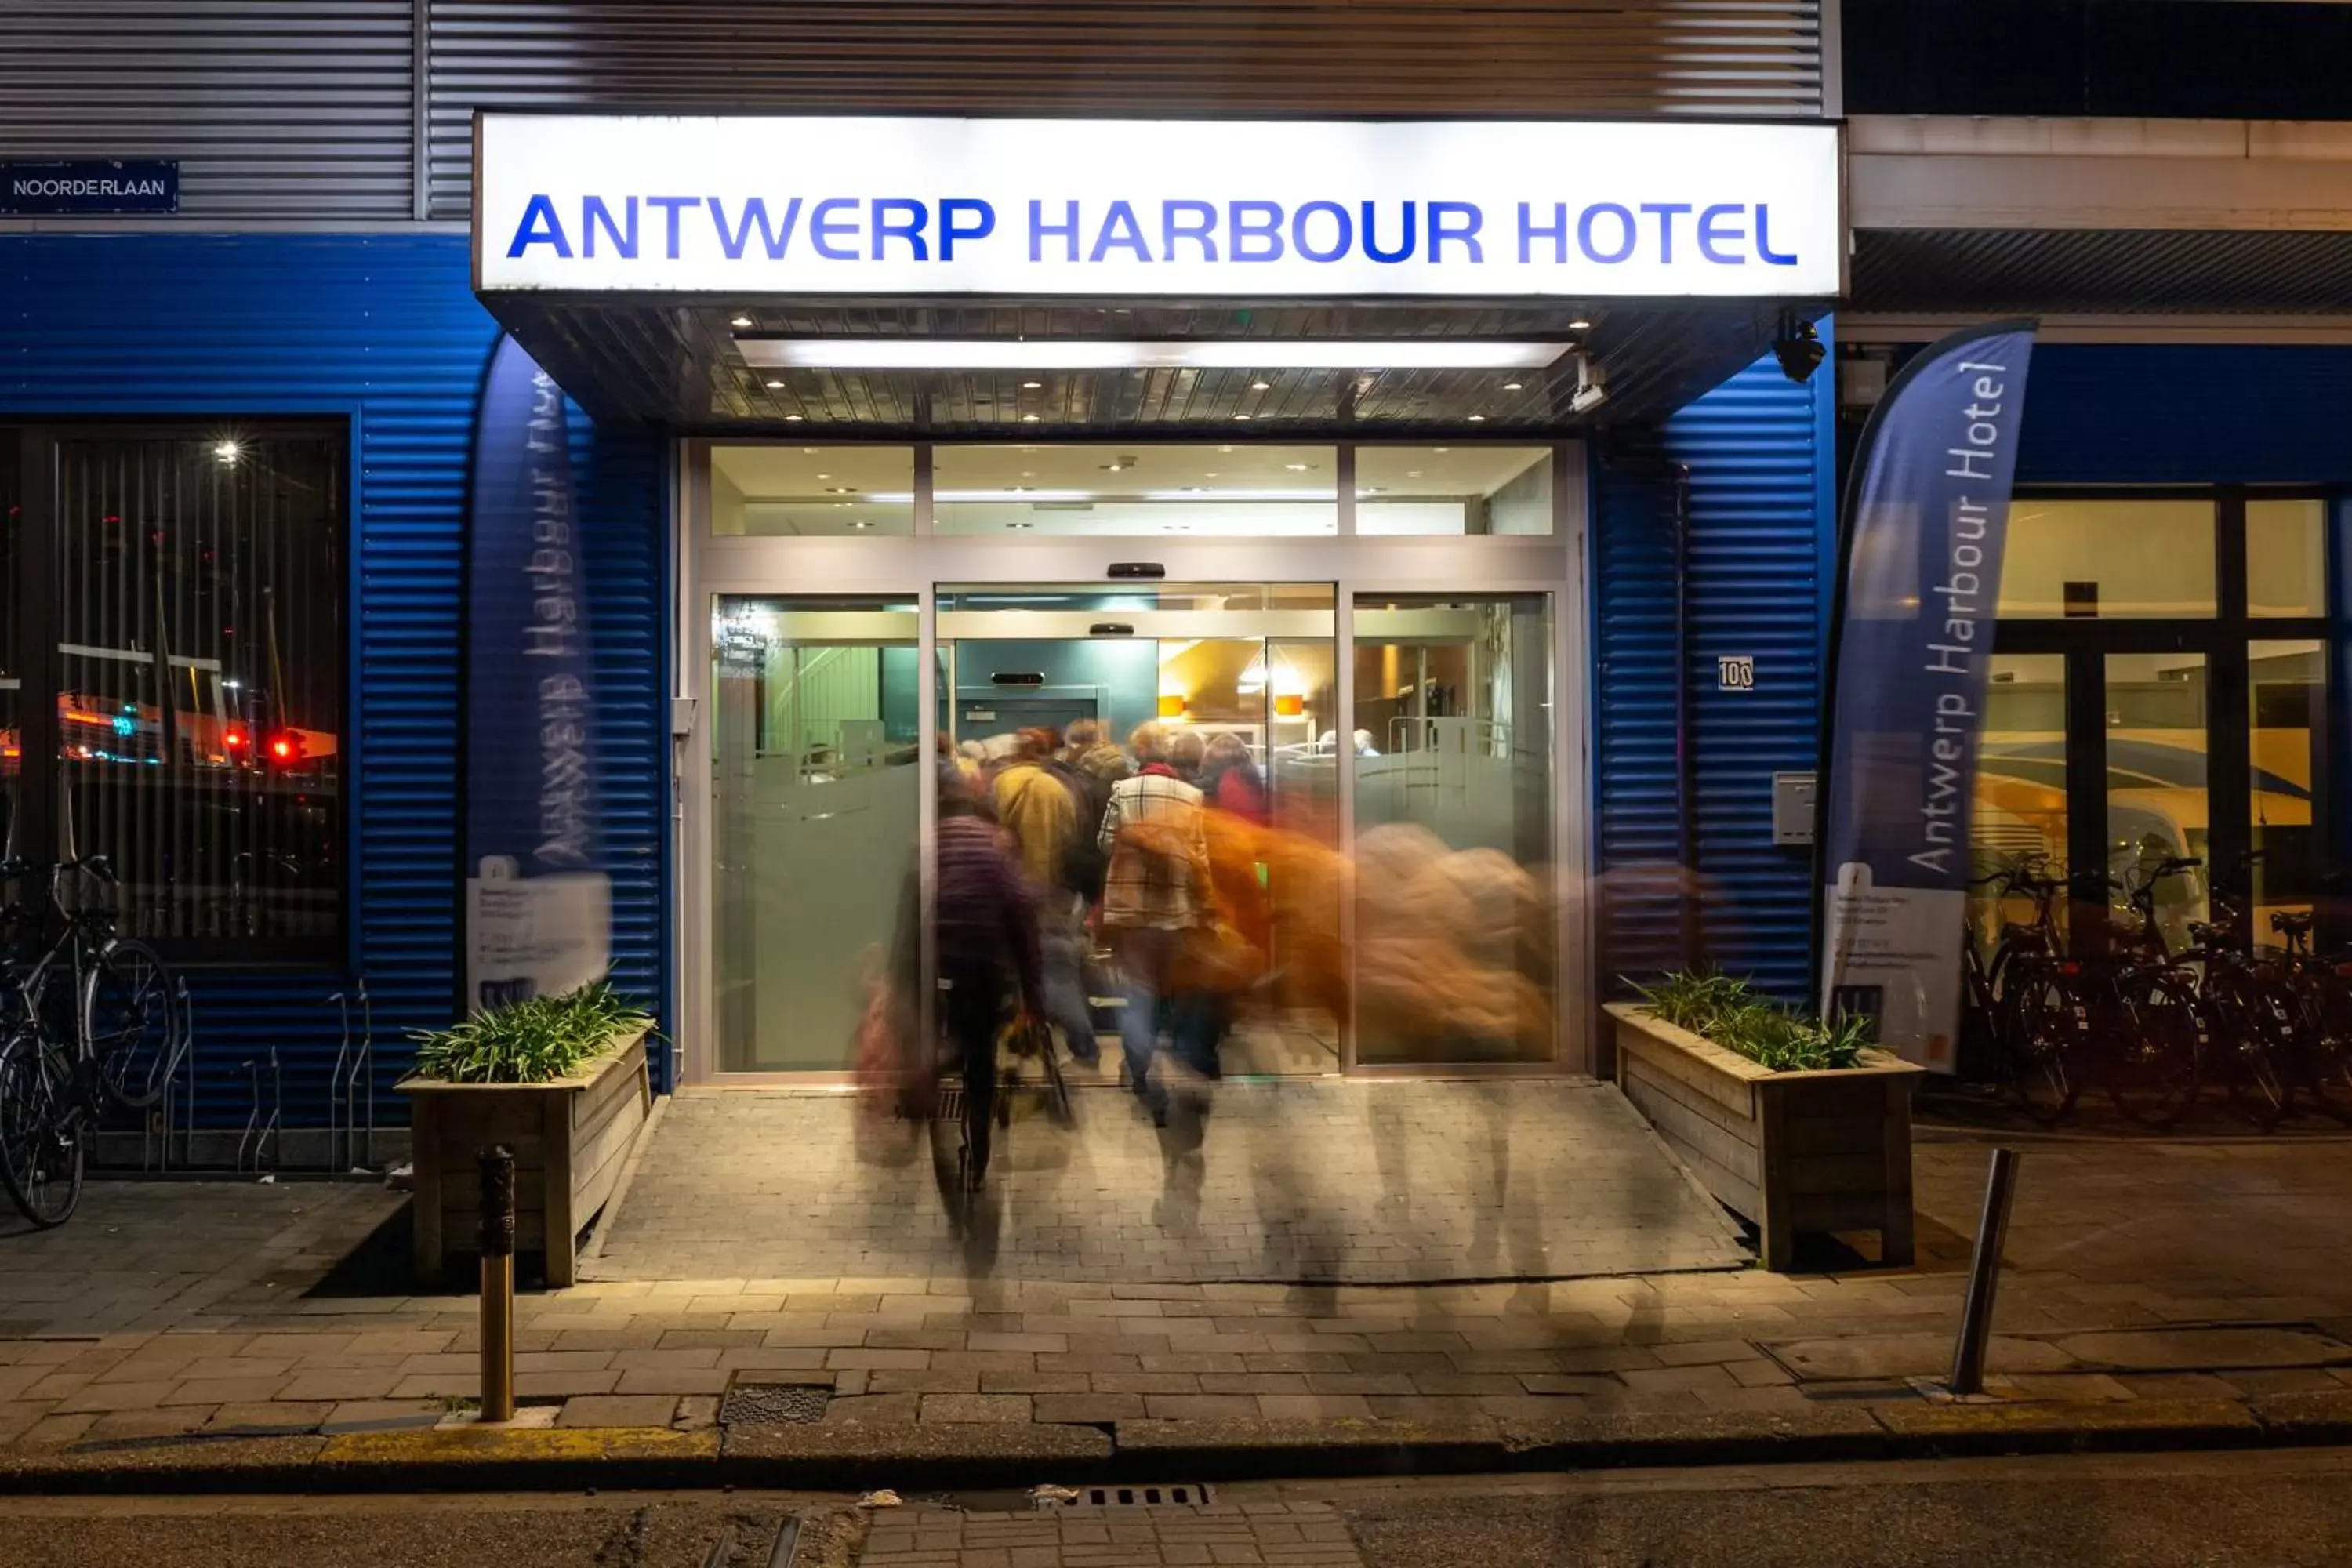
2286,558
200,632
1234,490
812,491
2021,795
1454,490
2106,559
2157,800
815,790
2286,683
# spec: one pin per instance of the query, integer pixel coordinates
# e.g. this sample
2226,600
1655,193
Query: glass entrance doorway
1378,730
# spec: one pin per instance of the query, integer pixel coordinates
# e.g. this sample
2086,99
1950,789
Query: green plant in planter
537,1041
1732,1014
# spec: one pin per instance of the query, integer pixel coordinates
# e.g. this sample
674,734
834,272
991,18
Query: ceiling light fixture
1477,419
791,418
1580,325
1031,385
1167,353
1244,418
1296,468
1261,386
775,384
1511,385
740,321
1028,419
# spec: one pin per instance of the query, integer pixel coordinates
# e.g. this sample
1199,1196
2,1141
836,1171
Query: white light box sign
785,204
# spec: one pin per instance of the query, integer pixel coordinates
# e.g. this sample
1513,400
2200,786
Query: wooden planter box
569,1138
1790,1151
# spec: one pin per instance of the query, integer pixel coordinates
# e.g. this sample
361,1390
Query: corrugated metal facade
2149,414
1759,451
384,332
1233,57
306,110
275,109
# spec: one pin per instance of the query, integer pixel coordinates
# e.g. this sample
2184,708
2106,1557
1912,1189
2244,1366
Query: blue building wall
2186,413
384,331
1760,451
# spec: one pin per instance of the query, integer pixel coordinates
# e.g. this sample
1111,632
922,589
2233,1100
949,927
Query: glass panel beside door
1457,960
2158,802
816,807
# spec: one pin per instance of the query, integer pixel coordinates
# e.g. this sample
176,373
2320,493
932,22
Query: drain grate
1182,1494
773,1404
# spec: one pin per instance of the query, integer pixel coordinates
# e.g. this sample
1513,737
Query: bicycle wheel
40,1129
2255,1045
2327,1061
2153,1052
132,1020
2046,1025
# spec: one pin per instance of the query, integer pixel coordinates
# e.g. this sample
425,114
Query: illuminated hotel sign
839,205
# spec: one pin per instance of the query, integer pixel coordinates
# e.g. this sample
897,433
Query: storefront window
2107,559
2157,798
2021,796
1454,490
2286,688
812,491
1138,490
2286,558
199,629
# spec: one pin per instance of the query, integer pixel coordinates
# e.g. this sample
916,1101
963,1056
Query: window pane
822,491
2156,783
815,800
200,705
1453,490
2108,559
2021,796
2286,685
1250,491
1456,959
2286,558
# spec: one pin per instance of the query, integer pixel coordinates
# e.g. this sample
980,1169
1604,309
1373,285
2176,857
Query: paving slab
1883,1355
2217,1347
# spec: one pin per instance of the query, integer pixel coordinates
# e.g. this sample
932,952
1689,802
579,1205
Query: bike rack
179,1098
261,1135
344,1149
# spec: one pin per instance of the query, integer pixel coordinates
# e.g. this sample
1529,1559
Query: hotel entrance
1382,714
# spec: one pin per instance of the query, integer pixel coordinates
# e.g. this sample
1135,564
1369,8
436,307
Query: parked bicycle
89,1023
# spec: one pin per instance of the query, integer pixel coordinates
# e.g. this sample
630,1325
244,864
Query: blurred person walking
1157,889
1043,810
1230,780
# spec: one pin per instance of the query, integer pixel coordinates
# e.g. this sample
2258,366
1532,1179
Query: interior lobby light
1177,353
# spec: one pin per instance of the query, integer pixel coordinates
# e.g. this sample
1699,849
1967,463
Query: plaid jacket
1158,854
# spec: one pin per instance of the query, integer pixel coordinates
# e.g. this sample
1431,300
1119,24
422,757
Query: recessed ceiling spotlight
1028,473
227,451
1031,385
1296,468
1225,448
775,384
1212,473
1477,419
1580,326
1261,386
860,523
841,490
1441,448
811,452
1020,525
1243,417
740,321
791,418
1511,385
1028,419
1413,473
824,475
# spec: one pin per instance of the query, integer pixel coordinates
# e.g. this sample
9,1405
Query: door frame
915,565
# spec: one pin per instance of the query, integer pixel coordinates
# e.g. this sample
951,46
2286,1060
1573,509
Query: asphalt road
2245,1511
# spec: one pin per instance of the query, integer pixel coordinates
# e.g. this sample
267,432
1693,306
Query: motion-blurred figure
1155,891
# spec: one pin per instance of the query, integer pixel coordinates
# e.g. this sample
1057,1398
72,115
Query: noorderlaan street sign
90,185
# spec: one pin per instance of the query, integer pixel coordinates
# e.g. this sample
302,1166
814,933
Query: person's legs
1143,956
973,1007
1066,991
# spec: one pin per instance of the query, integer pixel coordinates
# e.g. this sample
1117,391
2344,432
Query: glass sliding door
1457,960
816,801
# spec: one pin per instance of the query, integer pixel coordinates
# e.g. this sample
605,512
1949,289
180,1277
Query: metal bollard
497,1245
1984,1275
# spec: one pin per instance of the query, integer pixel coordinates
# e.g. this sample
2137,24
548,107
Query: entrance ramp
1278,1181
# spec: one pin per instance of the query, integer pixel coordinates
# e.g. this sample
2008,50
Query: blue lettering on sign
891,228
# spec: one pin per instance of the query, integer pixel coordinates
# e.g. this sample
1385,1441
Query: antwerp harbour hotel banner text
1321,209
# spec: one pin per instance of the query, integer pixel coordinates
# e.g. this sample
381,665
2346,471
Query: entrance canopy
939,276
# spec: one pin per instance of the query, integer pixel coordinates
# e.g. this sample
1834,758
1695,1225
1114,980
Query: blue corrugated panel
385,332
1757,450
2186,413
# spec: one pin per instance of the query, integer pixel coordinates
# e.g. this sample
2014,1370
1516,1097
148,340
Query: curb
851,1456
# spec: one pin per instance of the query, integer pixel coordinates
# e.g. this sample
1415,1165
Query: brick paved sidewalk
1308,1534
180,1308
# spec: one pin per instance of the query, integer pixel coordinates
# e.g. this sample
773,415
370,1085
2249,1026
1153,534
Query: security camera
1591,387
1799,349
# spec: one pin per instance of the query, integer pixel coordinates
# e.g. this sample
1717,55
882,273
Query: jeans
972,1010
1143,954
1065,983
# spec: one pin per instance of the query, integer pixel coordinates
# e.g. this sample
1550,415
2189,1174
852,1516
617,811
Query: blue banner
537,899
1926,513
